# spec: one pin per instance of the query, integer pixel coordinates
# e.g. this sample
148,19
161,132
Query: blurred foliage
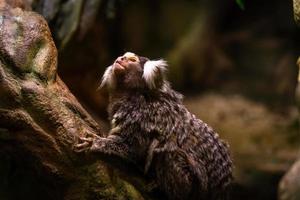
241,4
209,45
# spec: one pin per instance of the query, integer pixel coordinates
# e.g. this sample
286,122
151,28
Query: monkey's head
131,71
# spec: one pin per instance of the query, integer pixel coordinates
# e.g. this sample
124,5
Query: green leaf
241,4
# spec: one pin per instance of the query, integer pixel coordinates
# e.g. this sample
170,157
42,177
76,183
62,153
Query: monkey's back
190,161
200,159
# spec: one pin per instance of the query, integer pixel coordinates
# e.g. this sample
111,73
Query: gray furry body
153,129
186,155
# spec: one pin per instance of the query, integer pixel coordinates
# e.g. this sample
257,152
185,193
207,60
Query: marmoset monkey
152,128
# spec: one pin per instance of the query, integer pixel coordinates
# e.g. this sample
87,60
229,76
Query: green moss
103,183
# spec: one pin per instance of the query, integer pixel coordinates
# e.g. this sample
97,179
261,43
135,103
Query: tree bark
41,121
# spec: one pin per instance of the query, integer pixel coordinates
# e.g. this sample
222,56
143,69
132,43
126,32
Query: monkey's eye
132,59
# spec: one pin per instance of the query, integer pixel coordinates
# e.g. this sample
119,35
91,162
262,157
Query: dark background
237,69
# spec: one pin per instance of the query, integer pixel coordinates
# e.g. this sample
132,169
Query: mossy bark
41,121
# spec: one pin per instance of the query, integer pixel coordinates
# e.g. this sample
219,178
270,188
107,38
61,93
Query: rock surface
41,121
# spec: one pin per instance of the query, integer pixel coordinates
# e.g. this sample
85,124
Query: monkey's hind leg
150,153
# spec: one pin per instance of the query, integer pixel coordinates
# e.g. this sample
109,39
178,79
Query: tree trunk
41,121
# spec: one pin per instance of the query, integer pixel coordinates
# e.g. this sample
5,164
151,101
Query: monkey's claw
90,135
84,139
84,144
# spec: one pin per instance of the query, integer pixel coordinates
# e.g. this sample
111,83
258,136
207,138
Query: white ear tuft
108,78
153,70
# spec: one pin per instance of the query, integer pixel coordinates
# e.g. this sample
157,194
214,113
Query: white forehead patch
153,69
129,54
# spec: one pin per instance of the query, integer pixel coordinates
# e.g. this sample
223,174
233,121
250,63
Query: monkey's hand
85,143
112,145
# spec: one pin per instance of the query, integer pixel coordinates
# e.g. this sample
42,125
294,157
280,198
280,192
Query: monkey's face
126,63
131,71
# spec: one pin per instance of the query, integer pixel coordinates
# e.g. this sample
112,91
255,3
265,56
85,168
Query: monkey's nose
120,64
121,59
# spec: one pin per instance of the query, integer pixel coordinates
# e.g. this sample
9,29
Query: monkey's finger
79,150
84,139
91,135
82,147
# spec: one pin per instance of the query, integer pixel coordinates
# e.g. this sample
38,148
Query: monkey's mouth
119,66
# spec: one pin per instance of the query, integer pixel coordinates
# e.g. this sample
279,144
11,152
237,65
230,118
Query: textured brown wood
40,119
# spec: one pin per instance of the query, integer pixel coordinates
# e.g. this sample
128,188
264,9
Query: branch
43,120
